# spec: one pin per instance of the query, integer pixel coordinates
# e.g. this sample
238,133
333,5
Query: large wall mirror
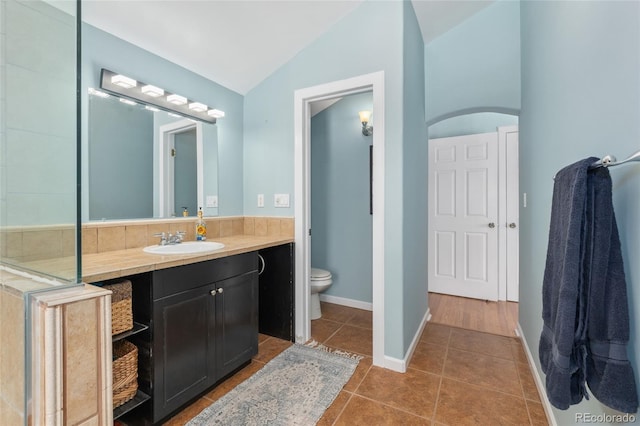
148,164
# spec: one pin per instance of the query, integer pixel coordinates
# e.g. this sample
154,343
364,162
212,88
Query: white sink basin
189,247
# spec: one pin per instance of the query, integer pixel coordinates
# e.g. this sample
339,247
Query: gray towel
585,313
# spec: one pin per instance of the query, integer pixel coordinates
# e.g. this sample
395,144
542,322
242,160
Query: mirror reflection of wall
121,160
124,155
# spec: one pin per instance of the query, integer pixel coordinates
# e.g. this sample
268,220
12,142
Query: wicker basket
125,372
121,312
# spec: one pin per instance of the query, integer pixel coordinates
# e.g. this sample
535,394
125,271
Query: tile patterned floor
456,377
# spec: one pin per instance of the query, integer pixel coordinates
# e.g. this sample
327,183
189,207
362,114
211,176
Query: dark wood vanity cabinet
204,325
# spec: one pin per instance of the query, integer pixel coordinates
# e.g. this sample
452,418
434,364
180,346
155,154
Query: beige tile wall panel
12,354
71,363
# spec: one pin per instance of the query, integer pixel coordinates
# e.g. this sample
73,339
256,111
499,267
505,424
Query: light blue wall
341,239
102,50
469,124
476,65
121,160
580,98
415,162
367,40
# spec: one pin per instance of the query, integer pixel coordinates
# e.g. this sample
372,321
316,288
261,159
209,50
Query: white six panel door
463,213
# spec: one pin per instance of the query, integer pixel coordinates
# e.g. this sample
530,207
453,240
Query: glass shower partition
39,218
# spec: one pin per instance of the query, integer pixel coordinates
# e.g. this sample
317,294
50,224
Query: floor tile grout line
524,396
343,407
363,378
391,406
444,363
483,353
483,387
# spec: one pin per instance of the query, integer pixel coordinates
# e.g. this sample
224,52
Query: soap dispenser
201,227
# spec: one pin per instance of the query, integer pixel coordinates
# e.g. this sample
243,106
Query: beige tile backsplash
27,244
102,237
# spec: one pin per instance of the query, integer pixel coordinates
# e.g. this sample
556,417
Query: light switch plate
260,200
281,200
211,201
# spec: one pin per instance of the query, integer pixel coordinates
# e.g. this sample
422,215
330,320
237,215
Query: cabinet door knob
512,225
220,290
492,225
213,292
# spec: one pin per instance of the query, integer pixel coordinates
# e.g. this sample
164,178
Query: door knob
512,225
492,225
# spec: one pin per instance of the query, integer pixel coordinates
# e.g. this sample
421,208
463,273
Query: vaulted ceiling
239,43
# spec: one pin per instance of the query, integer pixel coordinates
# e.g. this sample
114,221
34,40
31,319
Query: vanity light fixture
124,81
365,117
156,97
215,113
127,101
177,99
152,91
93,91
197,106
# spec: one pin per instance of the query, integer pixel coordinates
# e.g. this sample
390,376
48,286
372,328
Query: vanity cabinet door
237,321
184,345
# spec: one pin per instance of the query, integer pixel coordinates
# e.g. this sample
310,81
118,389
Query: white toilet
320,281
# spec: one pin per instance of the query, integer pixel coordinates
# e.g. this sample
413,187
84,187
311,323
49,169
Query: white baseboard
536,377
400,365
346,302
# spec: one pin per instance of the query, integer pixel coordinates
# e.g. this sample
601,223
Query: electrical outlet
260,200
281,200
211,201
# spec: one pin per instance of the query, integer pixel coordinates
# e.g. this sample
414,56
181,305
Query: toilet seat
318,274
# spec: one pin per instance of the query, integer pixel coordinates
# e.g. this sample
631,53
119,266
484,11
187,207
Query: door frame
508,260
165,164
373,82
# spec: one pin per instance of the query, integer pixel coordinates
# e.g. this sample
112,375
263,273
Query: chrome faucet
170,239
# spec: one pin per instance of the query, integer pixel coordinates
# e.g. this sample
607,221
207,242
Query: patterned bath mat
294,388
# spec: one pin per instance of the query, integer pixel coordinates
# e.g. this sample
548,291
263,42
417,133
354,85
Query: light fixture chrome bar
151,98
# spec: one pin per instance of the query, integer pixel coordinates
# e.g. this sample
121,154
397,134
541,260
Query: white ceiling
239,43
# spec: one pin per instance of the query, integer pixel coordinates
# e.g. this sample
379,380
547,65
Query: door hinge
309,231
173,152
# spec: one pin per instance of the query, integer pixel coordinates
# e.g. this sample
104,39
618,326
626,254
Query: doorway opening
473,222
180,179
303,99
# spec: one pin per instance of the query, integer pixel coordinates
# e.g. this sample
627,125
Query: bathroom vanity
197,316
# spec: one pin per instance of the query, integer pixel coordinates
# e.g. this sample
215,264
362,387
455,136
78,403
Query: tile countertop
121,263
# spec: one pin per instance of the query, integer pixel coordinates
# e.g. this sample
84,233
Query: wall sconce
156,97
365,117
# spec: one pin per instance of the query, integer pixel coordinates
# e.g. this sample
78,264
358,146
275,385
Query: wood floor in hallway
473,314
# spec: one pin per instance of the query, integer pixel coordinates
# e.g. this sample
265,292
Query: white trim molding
164,207
400,365
346,302
373,82
536,377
